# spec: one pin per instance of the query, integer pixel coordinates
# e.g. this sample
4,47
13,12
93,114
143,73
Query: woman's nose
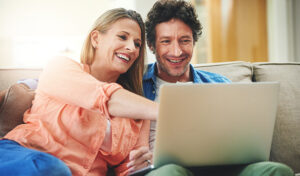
130,45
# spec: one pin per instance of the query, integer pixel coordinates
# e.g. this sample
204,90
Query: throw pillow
14,102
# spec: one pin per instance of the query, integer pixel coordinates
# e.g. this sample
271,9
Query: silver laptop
215,124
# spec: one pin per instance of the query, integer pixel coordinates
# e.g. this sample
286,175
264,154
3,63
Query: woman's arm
127,104
65,80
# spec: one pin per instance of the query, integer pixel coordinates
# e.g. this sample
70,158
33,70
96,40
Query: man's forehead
172,28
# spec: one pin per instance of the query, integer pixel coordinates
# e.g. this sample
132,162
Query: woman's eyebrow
125,32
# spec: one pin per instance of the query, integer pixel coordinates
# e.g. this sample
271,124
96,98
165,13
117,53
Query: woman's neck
102,74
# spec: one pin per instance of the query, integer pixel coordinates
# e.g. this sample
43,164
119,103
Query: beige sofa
286,139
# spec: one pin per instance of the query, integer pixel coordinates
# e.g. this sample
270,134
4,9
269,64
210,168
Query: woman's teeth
123,57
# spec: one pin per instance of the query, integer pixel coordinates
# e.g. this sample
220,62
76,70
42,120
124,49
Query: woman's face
118,47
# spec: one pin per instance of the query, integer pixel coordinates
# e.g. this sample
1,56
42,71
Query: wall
237,30
296,17
33,31
281,30
143,7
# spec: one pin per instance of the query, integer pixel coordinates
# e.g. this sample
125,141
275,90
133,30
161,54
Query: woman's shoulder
63,60
63,63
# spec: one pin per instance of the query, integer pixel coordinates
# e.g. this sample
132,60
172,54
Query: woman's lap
18,160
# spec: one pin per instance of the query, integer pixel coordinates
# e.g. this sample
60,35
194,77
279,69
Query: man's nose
176,49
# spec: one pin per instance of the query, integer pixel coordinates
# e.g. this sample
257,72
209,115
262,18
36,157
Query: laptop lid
215,124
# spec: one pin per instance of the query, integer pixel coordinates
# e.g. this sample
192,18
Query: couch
14,100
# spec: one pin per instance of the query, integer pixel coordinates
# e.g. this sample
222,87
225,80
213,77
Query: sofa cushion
15,101
286,138
238,71
9,76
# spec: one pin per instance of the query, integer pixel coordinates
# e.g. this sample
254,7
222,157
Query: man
172,28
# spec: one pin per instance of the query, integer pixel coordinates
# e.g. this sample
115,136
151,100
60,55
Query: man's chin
176,74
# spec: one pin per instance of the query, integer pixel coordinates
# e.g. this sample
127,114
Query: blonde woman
84,118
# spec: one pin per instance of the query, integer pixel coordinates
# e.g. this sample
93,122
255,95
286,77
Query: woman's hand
139,158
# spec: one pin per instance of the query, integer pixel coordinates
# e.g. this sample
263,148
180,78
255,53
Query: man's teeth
174,61
123,57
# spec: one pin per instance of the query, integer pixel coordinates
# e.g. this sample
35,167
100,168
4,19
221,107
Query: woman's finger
138,153
142,161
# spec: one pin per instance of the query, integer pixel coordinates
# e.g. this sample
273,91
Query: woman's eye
123,37
138,45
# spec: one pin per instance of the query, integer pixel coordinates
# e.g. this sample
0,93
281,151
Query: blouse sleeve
66,80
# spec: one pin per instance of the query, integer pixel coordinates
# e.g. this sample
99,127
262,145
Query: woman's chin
122,71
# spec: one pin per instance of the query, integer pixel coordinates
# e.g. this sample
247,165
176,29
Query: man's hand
139,158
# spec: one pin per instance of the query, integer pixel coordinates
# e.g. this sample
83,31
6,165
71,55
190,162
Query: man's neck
186,77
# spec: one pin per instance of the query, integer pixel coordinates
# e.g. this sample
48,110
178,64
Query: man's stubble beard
164,69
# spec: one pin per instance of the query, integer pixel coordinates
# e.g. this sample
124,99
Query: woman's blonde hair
132,79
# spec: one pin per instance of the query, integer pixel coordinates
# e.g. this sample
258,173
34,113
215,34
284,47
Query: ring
149,162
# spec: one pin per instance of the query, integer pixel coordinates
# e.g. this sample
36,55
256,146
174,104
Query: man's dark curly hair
165,10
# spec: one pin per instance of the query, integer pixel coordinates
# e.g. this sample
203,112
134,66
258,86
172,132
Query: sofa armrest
286,139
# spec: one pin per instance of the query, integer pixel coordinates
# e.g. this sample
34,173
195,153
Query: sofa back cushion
286,138
14,102
238,71
9,76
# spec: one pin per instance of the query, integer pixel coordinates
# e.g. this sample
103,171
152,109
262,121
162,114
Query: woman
85,114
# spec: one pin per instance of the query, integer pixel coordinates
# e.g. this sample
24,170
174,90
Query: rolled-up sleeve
67,81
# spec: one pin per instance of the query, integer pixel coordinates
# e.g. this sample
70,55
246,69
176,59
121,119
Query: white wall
280,30
32,31
296,19
143,7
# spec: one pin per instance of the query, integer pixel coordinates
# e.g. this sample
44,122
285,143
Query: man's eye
185,41
123,37
165,41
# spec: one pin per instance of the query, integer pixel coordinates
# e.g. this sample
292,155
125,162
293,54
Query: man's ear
95,35
151,48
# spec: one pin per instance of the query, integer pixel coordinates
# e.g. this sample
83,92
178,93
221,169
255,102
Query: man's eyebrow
186,36
168,37
164,37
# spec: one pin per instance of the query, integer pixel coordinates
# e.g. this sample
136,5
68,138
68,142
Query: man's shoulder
209,77
149,72
207,73
150,66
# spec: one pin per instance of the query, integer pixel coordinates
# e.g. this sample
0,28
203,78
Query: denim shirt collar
152,70
195,77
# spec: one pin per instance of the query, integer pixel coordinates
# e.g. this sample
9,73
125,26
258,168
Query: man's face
173,49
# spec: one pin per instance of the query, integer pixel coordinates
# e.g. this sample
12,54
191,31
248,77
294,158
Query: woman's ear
95,38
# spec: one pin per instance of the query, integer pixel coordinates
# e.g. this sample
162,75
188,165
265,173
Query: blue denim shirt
198,76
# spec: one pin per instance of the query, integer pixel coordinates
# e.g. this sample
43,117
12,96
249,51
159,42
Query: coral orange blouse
68,119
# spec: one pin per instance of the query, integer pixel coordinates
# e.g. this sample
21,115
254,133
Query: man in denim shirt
172,28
